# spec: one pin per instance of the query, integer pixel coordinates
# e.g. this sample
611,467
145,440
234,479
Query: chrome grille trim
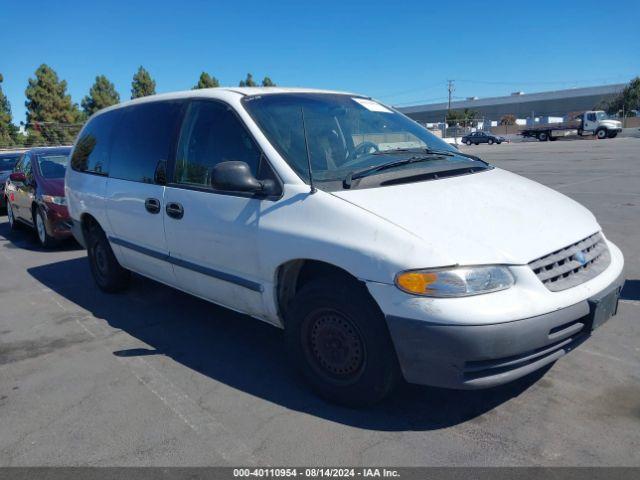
560,270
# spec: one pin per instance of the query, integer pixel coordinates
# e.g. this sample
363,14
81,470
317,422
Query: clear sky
400,52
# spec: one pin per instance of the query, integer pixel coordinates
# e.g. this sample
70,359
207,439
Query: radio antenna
306,146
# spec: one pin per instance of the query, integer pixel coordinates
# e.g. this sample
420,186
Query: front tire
543,137
107,272
13,223
338,337
490,141
601,134
46,240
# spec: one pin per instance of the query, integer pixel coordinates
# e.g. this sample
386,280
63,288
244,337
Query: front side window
143,139
53,166
212,133
591,117
344,134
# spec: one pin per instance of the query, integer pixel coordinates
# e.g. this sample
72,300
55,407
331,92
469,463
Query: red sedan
35,194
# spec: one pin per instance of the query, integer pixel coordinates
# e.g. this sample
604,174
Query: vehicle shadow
25,239
248,355
630,290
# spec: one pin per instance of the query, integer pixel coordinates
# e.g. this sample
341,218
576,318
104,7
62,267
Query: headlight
54,200
455,282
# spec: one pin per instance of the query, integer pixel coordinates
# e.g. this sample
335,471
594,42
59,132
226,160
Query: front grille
574,264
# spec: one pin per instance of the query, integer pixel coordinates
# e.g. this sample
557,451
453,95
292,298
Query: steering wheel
362,149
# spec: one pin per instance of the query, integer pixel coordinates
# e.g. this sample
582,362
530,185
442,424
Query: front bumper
57,221
477,353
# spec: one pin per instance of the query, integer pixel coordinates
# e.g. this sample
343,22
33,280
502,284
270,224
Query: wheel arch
292,275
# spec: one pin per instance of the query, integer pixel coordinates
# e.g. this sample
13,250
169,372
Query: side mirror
236,176
18,177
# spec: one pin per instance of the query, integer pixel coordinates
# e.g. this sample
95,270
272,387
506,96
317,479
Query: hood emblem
580,258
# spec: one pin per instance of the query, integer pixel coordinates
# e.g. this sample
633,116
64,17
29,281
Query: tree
248,82
465,118
267,82
508,119
101,95
51,115
627,101
142,84
206,81
8,131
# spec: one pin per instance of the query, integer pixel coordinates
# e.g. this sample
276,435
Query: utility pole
451,88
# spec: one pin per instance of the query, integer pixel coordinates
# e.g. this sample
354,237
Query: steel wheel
601,134
334,347
101,261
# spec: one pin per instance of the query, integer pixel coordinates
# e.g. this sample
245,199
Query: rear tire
338,337
107,272
468,142
46,240
543,136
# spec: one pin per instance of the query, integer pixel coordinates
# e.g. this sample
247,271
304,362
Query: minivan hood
492,216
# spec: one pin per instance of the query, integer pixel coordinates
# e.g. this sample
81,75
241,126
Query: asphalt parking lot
156,377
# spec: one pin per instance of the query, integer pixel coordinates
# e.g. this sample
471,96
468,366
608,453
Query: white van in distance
382,251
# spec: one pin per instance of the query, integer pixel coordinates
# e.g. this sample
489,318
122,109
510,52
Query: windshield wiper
426,156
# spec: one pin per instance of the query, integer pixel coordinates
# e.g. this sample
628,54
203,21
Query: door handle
152,205
174,210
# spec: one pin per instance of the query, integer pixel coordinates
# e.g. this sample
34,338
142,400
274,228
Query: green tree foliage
142,84
101,95
52,117
248,82
508,120
464,118
206,81
8,131
267,82
627,101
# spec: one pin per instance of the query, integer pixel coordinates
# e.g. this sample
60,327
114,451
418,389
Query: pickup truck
592,122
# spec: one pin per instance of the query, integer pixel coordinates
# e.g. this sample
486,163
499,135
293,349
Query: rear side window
91,153
143,139
211,133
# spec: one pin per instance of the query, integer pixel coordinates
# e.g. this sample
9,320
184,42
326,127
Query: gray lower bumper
480,356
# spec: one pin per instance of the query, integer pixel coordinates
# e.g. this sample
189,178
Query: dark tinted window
7,162
143,138
91,153
211,133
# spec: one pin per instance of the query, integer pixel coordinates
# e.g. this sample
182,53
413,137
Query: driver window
591,117
210,134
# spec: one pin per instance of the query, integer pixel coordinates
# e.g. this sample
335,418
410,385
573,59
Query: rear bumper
481,356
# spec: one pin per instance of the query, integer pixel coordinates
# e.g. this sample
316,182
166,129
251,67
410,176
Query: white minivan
382,251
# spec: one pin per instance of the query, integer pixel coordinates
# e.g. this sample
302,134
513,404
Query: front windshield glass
601,116
7,162
345,134
53,166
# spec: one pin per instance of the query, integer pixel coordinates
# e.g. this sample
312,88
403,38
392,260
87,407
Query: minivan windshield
347,135
53,166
